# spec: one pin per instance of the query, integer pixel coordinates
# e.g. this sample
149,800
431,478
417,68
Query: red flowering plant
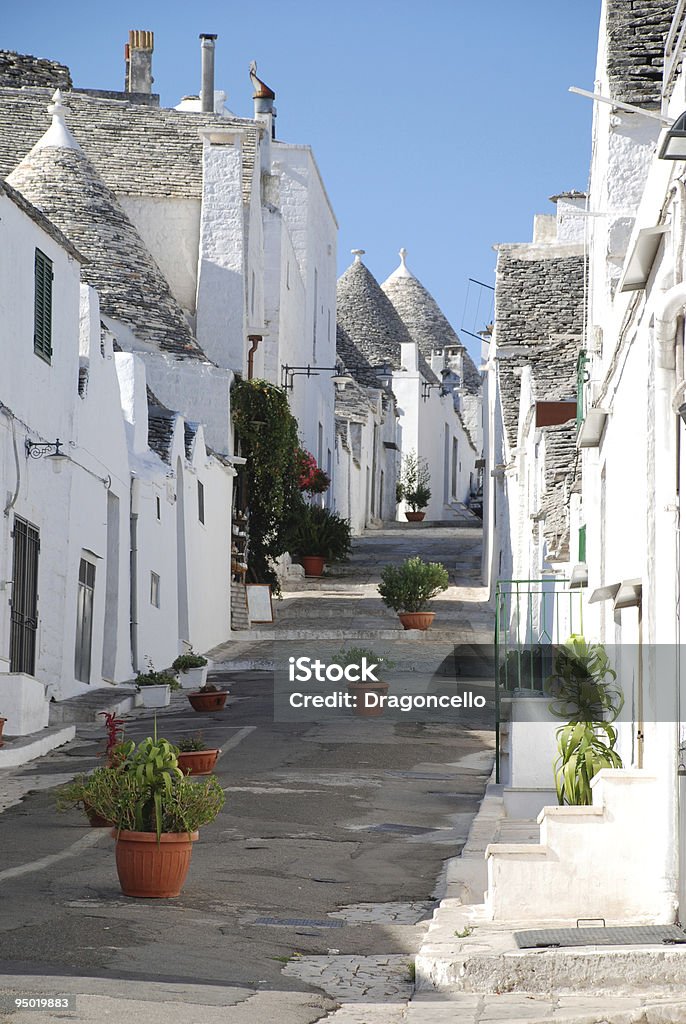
311,479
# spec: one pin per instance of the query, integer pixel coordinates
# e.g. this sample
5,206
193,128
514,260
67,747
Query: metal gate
24,603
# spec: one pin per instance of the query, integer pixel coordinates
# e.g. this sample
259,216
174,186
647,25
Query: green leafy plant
148,792
414,482
155,678
320,532
184,662
74,793
409,587
268,433
584,690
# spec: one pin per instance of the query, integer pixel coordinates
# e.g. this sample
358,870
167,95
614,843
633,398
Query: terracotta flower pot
197,762
2,724
96,820
213,700
416,620
151,870
414,517
313,565
359,690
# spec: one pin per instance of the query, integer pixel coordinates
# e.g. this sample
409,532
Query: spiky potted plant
155,687
156,812
319,536
408,588
195,757
583,685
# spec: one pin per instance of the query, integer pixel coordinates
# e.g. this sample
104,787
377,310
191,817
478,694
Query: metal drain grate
298,922
649,935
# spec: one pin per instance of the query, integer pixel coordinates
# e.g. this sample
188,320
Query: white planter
156,696
193,678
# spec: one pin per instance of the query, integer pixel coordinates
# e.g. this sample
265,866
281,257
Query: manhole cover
408,830
649,935
297,922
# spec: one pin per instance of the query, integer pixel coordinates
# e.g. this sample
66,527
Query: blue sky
442,126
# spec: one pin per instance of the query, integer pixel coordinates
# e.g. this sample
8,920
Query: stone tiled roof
189,432
137,149
426,322
538,308
160,430
20,69
369,321
41,220
351,356
636,33
64,185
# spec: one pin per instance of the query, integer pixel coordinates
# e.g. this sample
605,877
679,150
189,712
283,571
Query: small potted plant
77,793
208,698
192,670
155,687
409,587
354,656
413,486
318,536
194,757
156,812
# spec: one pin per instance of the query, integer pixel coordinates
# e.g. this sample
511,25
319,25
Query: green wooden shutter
42,316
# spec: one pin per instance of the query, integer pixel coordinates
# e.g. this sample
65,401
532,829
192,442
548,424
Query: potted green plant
413,486
77,793
408,588
318,536
192,670
155,687
195,757
584,691
156,813
353,656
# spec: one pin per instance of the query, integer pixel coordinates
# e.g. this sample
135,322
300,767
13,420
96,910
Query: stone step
86,707
20,749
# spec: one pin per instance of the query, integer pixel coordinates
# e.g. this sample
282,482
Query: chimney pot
138,57
207,42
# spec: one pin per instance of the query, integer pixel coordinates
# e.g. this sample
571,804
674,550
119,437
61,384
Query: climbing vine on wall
268,433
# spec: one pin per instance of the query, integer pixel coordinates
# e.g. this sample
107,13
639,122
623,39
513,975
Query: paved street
314,886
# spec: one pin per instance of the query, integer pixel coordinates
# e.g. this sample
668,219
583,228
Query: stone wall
636,32
21,69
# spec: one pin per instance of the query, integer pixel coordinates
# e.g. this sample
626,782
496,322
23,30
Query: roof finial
58,134
402,270
403,254
358,254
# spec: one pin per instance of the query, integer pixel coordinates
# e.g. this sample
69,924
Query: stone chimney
138,56
207,42
263,97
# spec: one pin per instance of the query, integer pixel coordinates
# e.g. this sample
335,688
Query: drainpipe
207,87
135,488
255,339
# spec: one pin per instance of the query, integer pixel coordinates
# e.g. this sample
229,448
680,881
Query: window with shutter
42,311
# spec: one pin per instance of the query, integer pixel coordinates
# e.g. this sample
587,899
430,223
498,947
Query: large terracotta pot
197,762
213,700
151,870
414,517
2,724
416,620
358,690
313,565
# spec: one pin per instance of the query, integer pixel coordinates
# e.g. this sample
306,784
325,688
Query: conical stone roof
368,322
425,321
58,179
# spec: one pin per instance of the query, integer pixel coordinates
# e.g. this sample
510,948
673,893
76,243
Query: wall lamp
340,376
673,142
427,388
37,449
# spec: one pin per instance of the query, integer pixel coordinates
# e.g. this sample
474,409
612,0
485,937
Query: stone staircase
606,861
